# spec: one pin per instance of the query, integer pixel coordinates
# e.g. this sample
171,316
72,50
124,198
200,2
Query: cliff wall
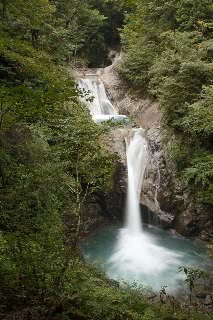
165,200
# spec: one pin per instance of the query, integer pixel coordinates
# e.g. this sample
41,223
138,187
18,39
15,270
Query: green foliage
113,10
196,170
32,15
168,53
194,14
75,24
37,169
210,249
30,265
107,35
191,276
199,316
51,158
32,85
136,64
183,74
66,29
200,170
198,123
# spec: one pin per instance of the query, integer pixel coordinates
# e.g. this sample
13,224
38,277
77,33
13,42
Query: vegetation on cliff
168,51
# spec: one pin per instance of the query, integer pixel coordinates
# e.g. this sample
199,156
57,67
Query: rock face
102,207
163,197
114,201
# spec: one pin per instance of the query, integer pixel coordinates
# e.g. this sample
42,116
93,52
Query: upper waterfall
136,254
96,97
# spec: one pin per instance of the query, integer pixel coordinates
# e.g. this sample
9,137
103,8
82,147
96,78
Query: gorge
76,243
136,252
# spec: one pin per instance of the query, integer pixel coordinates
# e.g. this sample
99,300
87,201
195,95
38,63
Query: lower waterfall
136,154
135,253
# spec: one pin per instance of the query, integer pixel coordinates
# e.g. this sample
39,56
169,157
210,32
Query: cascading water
136,255
140,254
136,153
96,97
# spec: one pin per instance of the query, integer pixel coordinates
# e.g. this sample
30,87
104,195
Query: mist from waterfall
137,255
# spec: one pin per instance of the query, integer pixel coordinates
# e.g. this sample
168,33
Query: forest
168,51
51,153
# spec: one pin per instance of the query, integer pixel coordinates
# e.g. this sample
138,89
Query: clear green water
153,258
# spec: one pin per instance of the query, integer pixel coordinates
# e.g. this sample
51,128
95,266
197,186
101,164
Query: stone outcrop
164,199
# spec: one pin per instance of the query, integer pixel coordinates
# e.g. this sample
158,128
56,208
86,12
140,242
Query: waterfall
95,97
136,153
135,253
139,254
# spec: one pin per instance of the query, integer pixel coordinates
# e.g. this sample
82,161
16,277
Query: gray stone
163,193
208,300
201,295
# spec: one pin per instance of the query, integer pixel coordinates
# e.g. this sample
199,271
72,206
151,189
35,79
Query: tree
87,166
194,15
74,24
31,17
3,4
191,276
167,54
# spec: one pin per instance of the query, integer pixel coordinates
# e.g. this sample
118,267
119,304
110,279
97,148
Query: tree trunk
4,8
2,178
67,24
34,36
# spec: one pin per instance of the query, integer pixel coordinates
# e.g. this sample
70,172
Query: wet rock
165,220
152,297
113,283
208,300
162,191
163,297
96,214
201,295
